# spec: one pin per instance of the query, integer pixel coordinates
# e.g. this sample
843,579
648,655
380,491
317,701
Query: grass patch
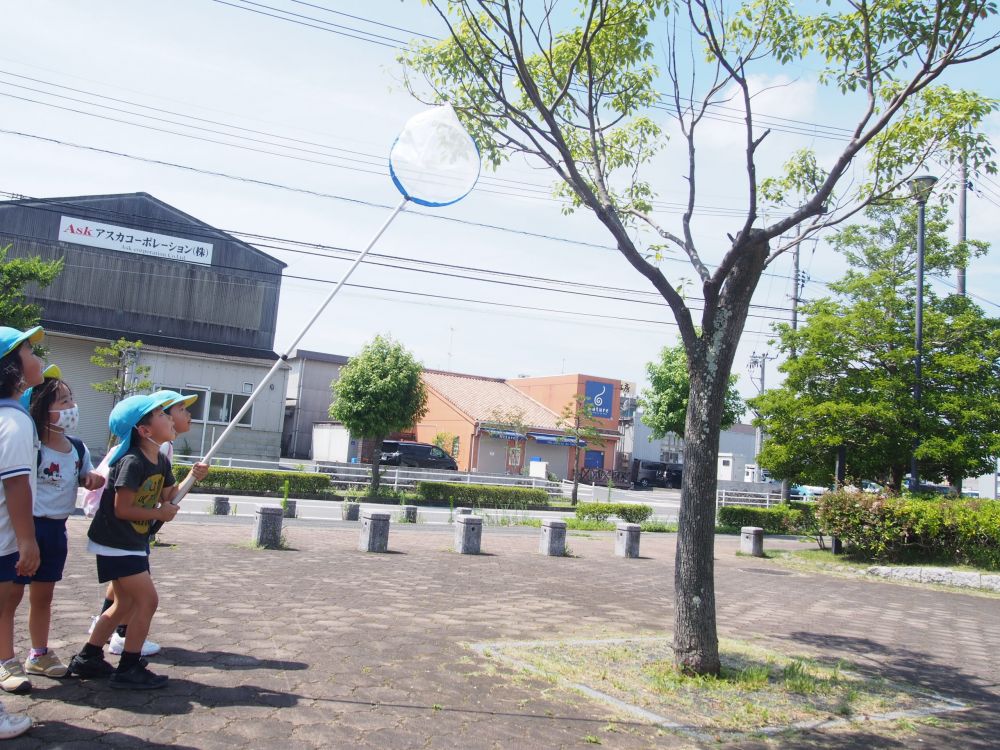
758,689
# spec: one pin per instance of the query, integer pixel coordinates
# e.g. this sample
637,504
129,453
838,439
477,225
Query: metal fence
346,475
745,497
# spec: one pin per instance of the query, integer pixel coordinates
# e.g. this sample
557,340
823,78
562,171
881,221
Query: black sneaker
96,666
138,678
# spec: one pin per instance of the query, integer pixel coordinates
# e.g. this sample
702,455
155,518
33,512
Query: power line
331,196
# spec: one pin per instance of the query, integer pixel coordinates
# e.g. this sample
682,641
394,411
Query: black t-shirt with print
135,472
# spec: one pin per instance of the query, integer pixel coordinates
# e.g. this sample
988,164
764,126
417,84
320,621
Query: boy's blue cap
177,398
52,371
125,416
11,338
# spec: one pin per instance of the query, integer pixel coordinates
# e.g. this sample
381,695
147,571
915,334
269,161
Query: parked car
806,491
418,455
655,474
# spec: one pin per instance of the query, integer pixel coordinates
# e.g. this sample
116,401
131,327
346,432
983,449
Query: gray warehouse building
203,303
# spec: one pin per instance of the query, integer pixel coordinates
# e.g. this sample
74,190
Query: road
665,504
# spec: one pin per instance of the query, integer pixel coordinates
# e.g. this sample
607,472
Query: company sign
599,397
123,239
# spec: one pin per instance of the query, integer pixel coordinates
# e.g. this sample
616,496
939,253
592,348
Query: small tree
379,391
577,421
511,419
665,402
130,378
15,275
447,442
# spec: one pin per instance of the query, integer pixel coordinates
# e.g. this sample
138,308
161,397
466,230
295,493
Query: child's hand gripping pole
188,482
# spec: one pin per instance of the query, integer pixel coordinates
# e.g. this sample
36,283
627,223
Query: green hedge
895,529
778,519
481,495
625,511
256,480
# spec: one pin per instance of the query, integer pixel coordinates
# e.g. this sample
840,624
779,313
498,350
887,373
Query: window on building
223,407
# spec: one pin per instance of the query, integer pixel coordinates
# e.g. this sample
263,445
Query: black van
420,455
655,474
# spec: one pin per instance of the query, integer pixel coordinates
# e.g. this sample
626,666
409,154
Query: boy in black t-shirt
138,493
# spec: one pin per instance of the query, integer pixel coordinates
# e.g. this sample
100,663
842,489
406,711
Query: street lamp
920,189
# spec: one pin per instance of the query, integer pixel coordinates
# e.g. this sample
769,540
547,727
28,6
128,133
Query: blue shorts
111,568
8,565
50,533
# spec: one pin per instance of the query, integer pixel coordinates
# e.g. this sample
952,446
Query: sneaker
12,678
96,666
138,678
149,648
13,725
47,665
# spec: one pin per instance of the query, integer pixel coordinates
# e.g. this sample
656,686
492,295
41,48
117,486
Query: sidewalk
322,646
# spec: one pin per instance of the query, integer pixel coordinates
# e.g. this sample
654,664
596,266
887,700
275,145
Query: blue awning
503,434
544,439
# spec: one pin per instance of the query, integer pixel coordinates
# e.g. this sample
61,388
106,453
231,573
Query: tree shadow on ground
976,727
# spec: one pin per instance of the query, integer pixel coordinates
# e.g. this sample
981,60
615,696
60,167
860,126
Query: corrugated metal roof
482,398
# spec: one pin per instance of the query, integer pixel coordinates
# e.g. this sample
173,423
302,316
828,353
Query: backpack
77,445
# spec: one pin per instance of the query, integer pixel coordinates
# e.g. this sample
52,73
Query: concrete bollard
374,532
752,541
553,539
349,511
267,527
463,511
627,540
468,534
220,506
409,514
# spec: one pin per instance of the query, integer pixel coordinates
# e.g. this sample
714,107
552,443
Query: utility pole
759,361
963,177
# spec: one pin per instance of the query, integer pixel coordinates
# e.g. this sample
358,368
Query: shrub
904,529
481,495
625,511
778,519
256,480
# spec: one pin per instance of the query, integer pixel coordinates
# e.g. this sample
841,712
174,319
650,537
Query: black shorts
110,568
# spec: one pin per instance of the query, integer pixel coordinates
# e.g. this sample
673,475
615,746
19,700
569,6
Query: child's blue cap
176,398
125,416
11,338
52,371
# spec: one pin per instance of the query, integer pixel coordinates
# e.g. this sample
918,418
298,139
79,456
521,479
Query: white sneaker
13,725
149,648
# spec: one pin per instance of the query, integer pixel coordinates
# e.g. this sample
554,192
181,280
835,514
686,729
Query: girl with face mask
63,465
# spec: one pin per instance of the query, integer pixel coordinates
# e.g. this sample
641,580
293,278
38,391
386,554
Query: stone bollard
220,506
409,514
553,539
468,534
349,511
374,531
463,511
267,527
289,508
752,541
627,539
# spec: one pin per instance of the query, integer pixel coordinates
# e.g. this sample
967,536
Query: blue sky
343,100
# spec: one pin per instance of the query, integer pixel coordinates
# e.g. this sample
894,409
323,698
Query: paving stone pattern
323,646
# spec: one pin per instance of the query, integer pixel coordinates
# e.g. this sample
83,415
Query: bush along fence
255,480
786,518
481,495
896,529
628,512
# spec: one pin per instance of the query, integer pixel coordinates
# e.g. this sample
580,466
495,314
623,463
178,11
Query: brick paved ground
326,647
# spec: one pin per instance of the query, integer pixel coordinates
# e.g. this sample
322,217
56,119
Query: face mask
68,418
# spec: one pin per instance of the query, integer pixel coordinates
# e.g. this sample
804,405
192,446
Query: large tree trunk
376,458
710,361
